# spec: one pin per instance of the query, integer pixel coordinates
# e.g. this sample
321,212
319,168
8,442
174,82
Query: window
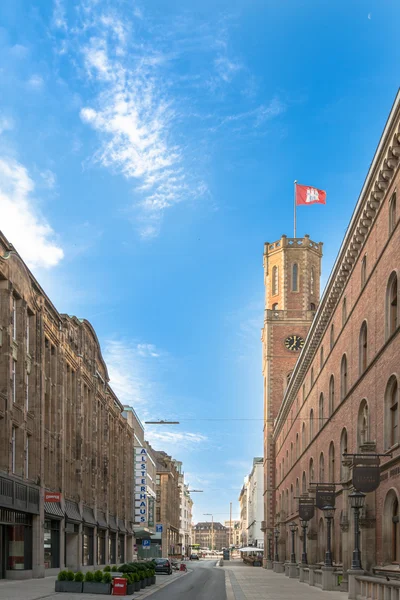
321,357
344,311
312,306
101,546
295,278
321,468
332,336
297,488
364,270
363,347
312,376
51,540
13,448
362,424
331,473
27,457
304,483
321,412
275,281
343,377
331,395
312,281
14,318
304,437
391,305
311,471
303,395
27,331
344,469
112,547
275,306
291,454
297,446
27,392
392,213
391,413
311,425
13,380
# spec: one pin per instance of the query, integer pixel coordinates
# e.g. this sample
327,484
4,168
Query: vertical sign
151,513
141,485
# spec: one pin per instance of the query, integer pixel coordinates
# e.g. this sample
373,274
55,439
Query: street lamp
357,500
162,422
270,546
293,529
276,533
329,512
304,525
212,528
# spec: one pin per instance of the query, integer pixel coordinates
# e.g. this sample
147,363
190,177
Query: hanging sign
140,485
306,509
52,497
325,496
366,473
150,521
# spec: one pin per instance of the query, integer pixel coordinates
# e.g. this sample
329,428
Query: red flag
306,194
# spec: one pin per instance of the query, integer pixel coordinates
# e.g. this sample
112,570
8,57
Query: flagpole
295,182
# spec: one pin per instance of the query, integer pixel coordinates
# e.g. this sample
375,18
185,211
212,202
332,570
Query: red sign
52,496
119,586
306,194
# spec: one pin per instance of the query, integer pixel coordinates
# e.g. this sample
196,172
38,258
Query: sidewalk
255,583
38,589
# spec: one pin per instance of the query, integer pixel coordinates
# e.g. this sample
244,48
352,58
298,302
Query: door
2,551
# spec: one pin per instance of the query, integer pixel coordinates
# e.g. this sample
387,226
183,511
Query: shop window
51,544
331,395
112,547
295,278
87,546
363,347
392,214
391,305
19,547
121,548
101,547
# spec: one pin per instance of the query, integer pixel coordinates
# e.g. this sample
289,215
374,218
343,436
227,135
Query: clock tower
292,269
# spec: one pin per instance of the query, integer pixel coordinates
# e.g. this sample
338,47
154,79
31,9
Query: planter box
130,588
137,585
153,580
93,587
142,584
73,587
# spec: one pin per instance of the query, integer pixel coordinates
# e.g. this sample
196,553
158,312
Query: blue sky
148,150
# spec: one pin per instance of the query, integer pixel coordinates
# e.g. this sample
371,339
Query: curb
163,585
228,587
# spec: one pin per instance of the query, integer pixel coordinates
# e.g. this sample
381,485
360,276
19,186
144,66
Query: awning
54,510
121,526
112,523
142,533
72,512
252,549
88,516
101,520
129,528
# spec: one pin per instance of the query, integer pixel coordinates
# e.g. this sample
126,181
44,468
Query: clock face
294,343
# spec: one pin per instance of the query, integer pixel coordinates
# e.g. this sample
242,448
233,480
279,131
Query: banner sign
325,496
366,473
150,520
52,497
306,509
141,485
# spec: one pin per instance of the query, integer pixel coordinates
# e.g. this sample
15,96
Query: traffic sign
159,528
145,543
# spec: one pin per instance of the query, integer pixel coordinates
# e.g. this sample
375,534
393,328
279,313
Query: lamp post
276,533
270,546
329,512
304,525
293,529
357,500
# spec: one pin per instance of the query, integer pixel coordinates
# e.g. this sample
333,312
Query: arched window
304,437
321,412
311,471
304,483
362,424
343,377
312,281
344,470
390,533
291,500
297,488
311,425
332,336
312,306
321,468
287,501
275,306
364,271
295,278
391,305
391,412
312,376
392,213
275,280
344,311
331,473
303,394
331,395
363,347
321,357
297,446
291,454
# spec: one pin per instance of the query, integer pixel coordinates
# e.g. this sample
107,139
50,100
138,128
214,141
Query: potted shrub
107,569
130,588
114,569
68,581
153,576
137,582
94,583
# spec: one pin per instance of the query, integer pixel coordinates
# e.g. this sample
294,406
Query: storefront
101,538
112,540
89,523
73,521
121,541
53,516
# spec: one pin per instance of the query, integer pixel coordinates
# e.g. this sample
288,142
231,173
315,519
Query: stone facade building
186,507
331,374
233,528
213,536
255,504
66,451
167,503
243,507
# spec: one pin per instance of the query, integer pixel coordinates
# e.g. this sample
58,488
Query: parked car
163,566
194,557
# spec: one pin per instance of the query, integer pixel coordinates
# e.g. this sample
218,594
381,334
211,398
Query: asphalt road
204,582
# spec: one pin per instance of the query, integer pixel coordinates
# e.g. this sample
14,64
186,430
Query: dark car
163,566
194,557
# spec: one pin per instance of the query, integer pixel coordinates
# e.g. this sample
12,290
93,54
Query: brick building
213,536
62,437
331,373
168,503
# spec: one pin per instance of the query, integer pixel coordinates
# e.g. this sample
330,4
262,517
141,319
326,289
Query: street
203,582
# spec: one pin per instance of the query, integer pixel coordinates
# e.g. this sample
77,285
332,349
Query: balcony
284,315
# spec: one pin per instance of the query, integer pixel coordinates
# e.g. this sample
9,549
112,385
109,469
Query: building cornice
379,176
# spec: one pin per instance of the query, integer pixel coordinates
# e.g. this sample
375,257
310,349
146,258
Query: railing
306,575
374,588
18,495
282,315
318,578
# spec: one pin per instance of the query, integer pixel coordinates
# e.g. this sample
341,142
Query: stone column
38,542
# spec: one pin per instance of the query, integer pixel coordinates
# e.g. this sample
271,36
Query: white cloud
35,82
6,123
369,16
226,68
21,222
172,440
255,117
59,20
49,178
